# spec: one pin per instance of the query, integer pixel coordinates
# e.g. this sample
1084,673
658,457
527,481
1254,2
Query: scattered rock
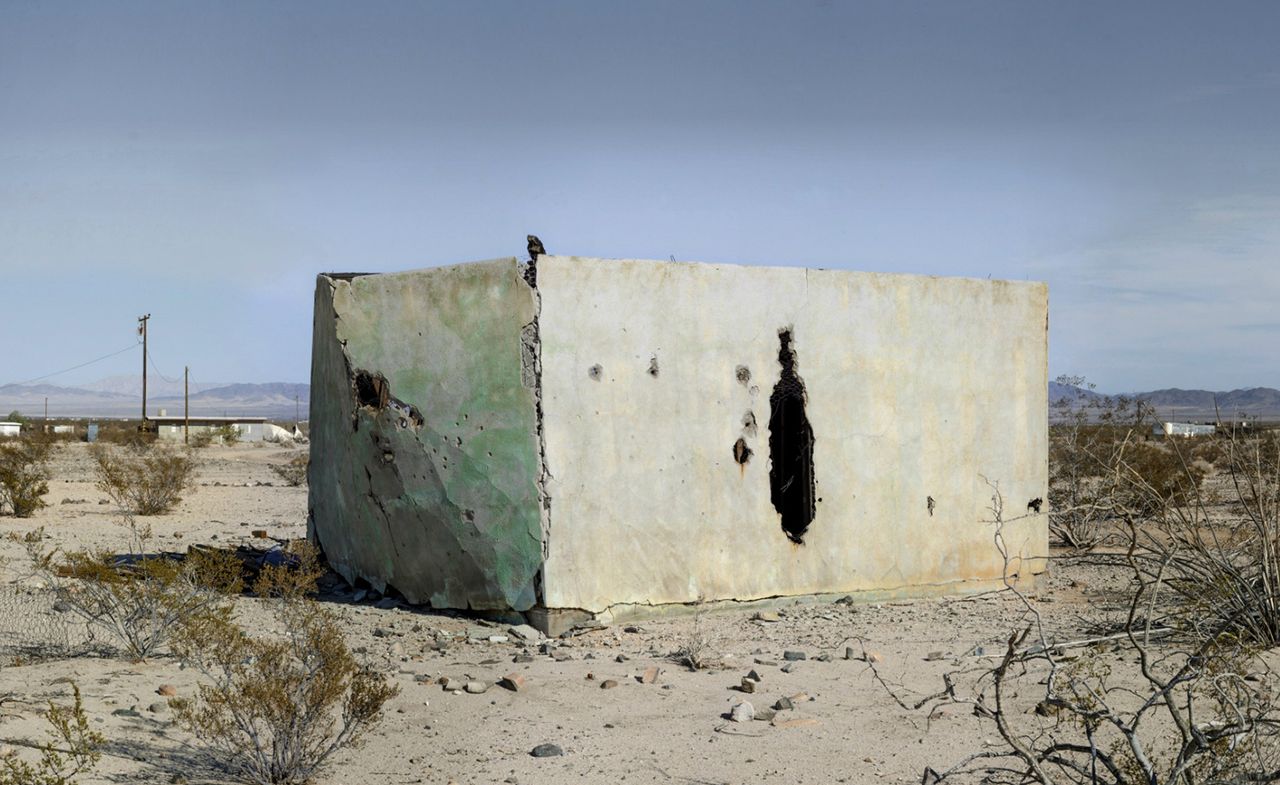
754,676
125,713
525,633
792,655
747,685
423,678
380,632
823,657
261,534
561,656
742,712
650,675
498,639
449,684
546,751
872,657
770,663
848,653
788,667
608,684
167,690
476,687
512,681
783,704
159,707
522,658
621,658
766,616
764,715
934,655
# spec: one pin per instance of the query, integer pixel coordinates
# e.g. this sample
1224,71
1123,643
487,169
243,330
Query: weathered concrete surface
428,482
602,444
916,388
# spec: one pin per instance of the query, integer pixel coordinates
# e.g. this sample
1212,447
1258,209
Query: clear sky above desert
201,162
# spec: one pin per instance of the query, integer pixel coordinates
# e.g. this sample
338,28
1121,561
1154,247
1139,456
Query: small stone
512,681
397,649
61,606
848,653
167,690
873,657
766,616
525,633
380,632
423,678
650,675
159,707
742,712
934,655
546,751
788,667
764,715
783,704
125,713
633,629
546,647
261,534
522,658
608,684
770,663
476,687
449,684
561,656
754,676
621,658
498,639
747,685
792,655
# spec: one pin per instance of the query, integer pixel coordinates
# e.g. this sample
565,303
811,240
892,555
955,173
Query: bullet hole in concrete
372,390
741,452
749,423
791,478
653,366
595,372
929,503
1035,504
743,373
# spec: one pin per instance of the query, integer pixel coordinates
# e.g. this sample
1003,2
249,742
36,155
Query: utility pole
297,410
186,404
142,330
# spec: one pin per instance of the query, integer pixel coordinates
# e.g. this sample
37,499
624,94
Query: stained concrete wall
424,453
917,388
572,447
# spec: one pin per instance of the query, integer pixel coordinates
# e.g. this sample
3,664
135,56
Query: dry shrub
226,434
273,711
145,480
138,599
24,475
73,748
294,473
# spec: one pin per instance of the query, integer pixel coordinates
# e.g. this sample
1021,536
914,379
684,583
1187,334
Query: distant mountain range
1178,404
122,397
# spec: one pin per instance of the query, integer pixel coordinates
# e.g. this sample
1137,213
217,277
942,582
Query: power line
81,365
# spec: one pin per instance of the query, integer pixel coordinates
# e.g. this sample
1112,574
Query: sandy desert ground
845,728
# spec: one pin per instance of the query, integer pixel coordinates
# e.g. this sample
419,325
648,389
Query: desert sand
676,728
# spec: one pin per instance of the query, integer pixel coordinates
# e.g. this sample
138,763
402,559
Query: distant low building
10,428
1184,429
249,429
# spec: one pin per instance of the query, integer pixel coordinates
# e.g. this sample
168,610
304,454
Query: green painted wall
436,493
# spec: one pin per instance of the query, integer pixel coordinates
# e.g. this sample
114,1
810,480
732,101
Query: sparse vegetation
73,748
294,473
24,475
138,600
273,711
144,480
226,434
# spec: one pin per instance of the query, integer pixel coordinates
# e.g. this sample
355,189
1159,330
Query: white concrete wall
917,387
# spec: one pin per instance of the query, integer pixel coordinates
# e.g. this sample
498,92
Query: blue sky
203,161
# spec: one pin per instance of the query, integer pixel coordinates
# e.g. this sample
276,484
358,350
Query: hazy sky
203,161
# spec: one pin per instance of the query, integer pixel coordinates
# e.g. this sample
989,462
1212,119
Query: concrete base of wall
556,621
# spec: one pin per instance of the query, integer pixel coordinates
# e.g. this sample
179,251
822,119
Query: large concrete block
633,436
